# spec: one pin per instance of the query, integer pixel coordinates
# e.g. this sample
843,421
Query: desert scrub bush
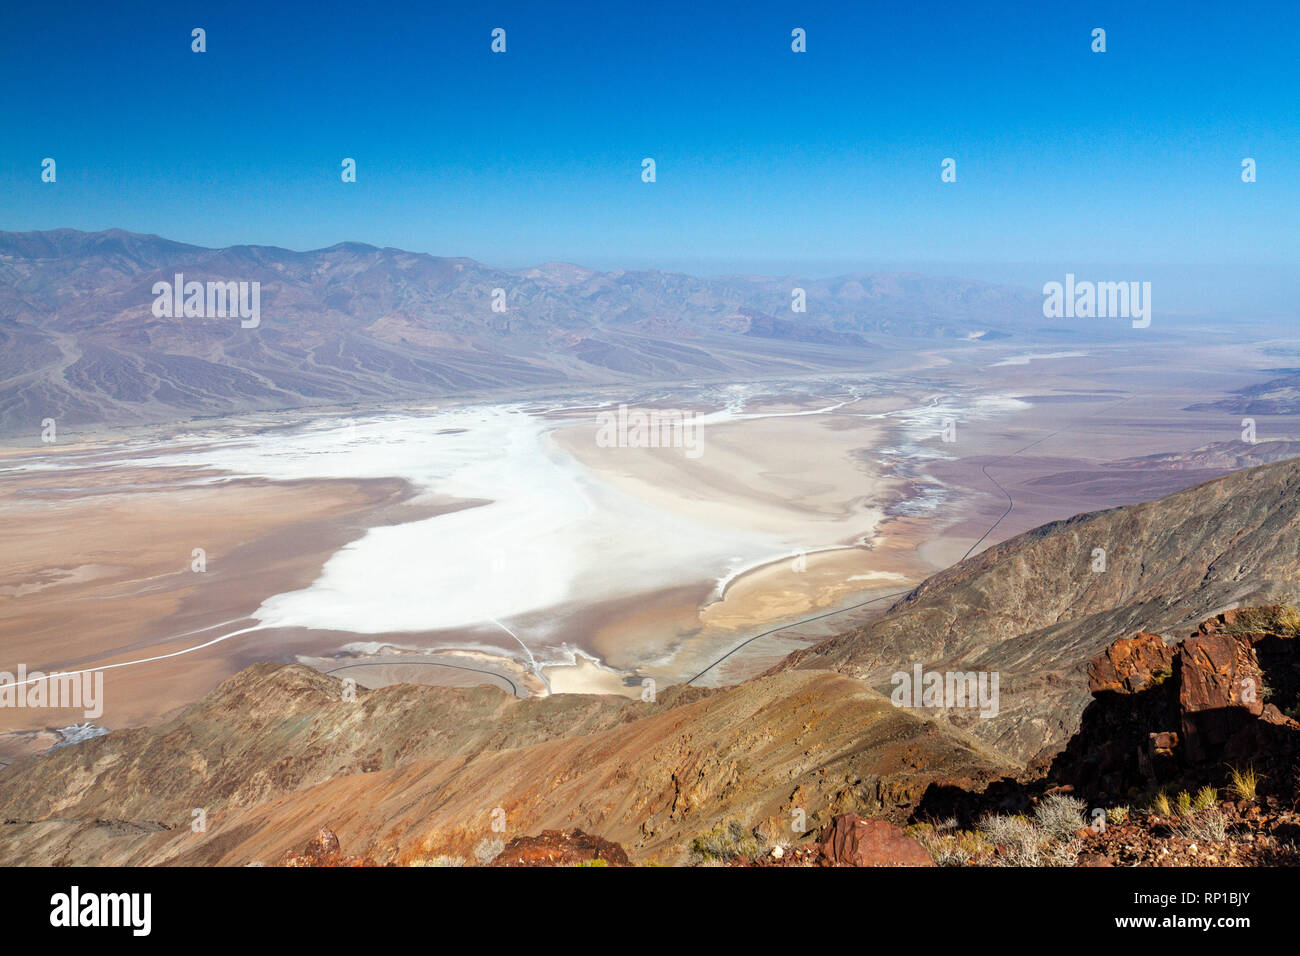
488,849
922,832
725,842
1049,839
1205,826
1183,803
1016,834
924,827
1062,852
945,851
1206,797
1160,804
1117,816
949,846
1244,784
1058,816
1288,620
1255,620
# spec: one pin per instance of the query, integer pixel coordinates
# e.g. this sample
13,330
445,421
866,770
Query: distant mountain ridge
1278,396
356,323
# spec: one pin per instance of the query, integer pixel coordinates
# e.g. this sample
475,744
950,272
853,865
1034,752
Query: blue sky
767,160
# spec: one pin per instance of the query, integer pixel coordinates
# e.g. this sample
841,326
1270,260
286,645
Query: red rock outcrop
849,840
324,850
1130,664
1190,711
561,848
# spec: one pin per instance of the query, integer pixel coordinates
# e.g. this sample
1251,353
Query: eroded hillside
1034,609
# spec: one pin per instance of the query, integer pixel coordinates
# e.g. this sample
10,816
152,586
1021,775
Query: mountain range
80,343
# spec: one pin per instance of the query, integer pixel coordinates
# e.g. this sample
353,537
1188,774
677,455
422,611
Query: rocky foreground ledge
1188,755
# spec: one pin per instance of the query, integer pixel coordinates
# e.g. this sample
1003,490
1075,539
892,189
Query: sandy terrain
809,480
97,569
757,473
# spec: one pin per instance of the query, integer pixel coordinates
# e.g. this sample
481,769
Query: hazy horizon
1232,291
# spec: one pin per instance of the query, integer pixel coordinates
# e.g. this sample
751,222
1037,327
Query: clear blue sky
818,162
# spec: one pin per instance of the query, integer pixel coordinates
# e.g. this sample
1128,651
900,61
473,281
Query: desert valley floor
477,541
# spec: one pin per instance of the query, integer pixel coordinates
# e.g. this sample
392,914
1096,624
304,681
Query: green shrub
1244,783
949,846
1288,621
725,842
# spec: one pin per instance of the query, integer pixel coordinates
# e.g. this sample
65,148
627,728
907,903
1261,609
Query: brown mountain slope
1033,609
406,772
